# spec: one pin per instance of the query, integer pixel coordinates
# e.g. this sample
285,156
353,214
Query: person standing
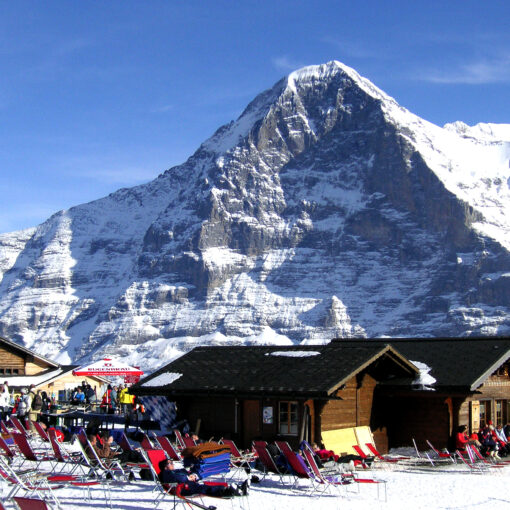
125,400
4,402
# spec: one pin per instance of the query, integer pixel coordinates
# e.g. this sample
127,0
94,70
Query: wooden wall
355,408
9,359
26,364
217,415
418,417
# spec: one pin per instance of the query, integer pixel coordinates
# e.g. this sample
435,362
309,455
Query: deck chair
29,453
168,447
476,456
443,455
339,481
6,451
4,428
30,504
73,460
366,461
240,462
319,484
373,450
102,468
189,442
154,457
40,431
18,425
145,443
179,439
29,481
266,461
473,467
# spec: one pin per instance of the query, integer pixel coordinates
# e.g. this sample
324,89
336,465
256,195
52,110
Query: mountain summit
326,210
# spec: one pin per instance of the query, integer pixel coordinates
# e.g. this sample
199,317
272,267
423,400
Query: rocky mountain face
325,210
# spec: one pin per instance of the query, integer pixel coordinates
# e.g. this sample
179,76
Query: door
252,427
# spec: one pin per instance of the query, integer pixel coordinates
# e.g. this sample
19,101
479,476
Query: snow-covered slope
325,210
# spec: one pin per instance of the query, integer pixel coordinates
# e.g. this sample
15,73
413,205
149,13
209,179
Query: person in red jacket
462,438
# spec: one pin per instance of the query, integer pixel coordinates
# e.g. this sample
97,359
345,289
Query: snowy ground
454,487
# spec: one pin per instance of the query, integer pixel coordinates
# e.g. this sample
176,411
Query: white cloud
475,73
283,63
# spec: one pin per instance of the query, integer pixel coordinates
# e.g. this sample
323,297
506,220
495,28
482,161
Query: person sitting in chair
169,474
104,450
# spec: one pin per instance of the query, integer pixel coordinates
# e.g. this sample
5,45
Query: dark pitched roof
454,362
311,370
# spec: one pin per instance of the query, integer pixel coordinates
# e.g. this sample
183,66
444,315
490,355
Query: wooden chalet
21,367
289,393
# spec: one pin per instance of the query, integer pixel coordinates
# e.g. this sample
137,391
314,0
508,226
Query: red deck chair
3,428
127,447
145,443
239,461
377,455
179,439
18,425
445,455
154,457
475,455
189,442
480,468
73,460
29,453
168,447
30,504
365,459
268,464
6,450
29,481
40,431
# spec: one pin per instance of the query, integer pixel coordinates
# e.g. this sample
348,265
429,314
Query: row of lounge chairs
35,463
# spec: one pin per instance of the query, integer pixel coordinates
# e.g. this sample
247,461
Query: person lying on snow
169,474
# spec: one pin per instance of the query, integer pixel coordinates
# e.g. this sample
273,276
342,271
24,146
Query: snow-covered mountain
325,210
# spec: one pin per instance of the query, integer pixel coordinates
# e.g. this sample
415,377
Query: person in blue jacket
169,474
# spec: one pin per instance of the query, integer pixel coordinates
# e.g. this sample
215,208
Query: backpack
37,403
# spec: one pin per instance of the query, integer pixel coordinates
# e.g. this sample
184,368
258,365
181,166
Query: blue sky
96,95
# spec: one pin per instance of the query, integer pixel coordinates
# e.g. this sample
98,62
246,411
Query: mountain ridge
321,174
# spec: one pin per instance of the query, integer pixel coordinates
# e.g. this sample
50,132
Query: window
288,418
501,415
485,412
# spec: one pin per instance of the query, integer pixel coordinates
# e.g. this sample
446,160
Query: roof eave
478,382
385,350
